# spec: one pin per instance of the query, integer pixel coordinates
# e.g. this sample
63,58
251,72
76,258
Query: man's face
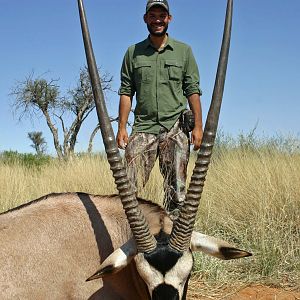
157,20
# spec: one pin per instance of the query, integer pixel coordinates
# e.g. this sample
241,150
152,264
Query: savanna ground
251,198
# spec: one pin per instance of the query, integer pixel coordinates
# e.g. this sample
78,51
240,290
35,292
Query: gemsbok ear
118,260
216,247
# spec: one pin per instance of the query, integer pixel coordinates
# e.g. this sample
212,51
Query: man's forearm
195,106
197,132
124,110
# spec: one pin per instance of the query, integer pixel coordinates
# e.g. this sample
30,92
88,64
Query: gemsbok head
50,247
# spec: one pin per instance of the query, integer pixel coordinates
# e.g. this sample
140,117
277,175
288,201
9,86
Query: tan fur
49,247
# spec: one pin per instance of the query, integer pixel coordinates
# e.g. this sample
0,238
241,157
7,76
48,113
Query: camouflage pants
173,149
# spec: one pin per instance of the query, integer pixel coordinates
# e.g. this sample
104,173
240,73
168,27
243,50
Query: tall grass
251,198
20,183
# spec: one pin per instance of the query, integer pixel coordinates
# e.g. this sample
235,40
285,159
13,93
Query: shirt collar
169,43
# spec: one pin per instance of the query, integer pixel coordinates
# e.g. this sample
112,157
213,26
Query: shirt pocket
143,71
174,69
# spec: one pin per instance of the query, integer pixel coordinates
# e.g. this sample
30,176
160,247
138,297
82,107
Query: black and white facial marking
165,271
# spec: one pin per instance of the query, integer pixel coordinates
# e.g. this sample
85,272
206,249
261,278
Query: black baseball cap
163,3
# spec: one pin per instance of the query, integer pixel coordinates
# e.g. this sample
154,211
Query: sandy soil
249,293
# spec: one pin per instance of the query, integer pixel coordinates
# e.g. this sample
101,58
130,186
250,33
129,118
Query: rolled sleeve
127,85
191,78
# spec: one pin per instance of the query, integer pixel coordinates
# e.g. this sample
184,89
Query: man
163,74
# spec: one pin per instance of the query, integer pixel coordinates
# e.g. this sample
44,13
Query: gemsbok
50,247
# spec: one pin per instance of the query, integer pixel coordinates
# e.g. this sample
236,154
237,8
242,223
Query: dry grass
251,198
20,184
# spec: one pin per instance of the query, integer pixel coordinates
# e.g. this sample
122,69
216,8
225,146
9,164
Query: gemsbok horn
49,247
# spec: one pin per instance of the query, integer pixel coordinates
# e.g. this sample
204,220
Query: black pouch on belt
188,120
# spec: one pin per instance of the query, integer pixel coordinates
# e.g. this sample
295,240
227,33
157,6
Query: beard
158,34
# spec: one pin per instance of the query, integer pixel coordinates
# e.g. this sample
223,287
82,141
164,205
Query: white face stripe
175,277
178,275
151,276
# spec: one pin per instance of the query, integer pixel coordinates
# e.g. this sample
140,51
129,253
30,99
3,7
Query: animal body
50,246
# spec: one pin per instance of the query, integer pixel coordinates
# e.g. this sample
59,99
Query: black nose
165,292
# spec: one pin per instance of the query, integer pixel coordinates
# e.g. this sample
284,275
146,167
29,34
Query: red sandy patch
249,293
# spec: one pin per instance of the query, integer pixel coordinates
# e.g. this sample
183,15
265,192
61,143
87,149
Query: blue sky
263,77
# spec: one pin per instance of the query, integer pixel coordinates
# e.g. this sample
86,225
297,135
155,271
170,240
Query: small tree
38,142
35,97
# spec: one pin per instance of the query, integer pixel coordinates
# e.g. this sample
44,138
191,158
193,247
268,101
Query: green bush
25,159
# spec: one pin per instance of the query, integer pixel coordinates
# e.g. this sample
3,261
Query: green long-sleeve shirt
162,81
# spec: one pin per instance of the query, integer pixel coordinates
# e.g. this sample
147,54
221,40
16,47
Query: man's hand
122,138
196,137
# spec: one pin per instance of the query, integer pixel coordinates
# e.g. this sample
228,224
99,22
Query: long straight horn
183,227
139,227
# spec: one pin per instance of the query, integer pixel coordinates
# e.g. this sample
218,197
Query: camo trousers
172,149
